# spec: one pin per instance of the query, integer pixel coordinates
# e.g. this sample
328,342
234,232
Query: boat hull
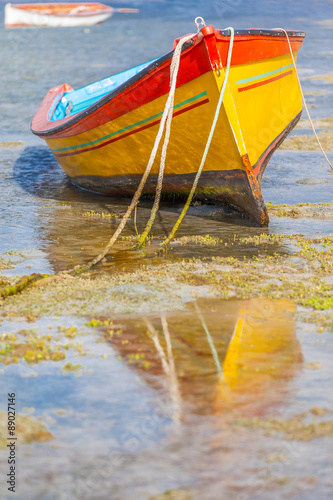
106,147
217,187
22,17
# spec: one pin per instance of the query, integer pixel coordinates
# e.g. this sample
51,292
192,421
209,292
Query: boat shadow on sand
38,173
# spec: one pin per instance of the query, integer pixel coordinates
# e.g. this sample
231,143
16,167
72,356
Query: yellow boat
102,134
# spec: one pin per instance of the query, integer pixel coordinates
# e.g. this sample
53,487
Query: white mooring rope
303,98
167,114
209,140
168,365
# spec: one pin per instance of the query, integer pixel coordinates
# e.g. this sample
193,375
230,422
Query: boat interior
76,101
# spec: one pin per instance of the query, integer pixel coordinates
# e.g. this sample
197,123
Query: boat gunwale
225,35
259,32
104,100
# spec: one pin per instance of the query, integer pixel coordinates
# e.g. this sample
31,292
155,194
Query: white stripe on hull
15,17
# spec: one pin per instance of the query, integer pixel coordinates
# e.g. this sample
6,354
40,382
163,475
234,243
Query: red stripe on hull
195,61
254,85
156,122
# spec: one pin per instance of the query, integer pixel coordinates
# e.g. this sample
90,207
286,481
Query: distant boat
102,134
56,15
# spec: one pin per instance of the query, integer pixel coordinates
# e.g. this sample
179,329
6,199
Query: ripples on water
124,426
116,431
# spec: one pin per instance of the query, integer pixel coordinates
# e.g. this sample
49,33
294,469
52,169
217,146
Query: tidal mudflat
172,369
202,373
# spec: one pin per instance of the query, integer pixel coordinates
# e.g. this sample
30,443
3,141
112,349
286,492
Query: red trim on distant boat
258,84
56,7
156,122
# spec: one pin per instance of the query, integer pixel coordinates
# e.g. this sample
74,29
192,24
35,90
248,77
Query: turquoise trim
258,77
84,97
129,126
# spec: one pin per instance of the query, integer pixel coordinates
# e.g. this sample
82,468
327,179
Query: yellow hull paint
189,134
248,124
265,111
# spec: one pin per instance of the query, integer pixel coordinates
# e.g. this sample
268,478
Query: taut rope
209,140
168,111
303,99
167,114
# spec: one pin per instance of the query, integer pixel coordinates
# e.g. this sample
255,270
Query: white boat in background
57,15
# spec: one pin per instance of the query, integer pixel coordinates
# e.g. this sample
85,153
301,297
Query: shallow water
56,225
34,187
122,427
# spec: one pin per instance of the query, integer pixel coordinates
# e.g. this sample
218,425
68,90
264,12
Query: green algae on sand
301,210
321,123
174,494
30,347
302,273
292,428
28,430
308,142
11,144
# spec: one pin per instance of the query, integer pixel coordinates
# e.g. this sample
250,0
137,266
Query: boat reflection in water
219,357
262,356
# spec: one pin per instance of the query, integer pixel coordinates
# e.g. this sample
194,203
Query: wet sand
204,373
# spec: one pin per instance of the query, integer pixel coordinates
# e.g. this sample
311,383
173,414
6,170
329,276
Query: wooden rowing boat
58,14
102,134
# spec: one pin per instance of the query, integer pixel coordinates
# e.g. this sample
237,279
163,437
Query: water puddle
56,225
172,400
141,380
